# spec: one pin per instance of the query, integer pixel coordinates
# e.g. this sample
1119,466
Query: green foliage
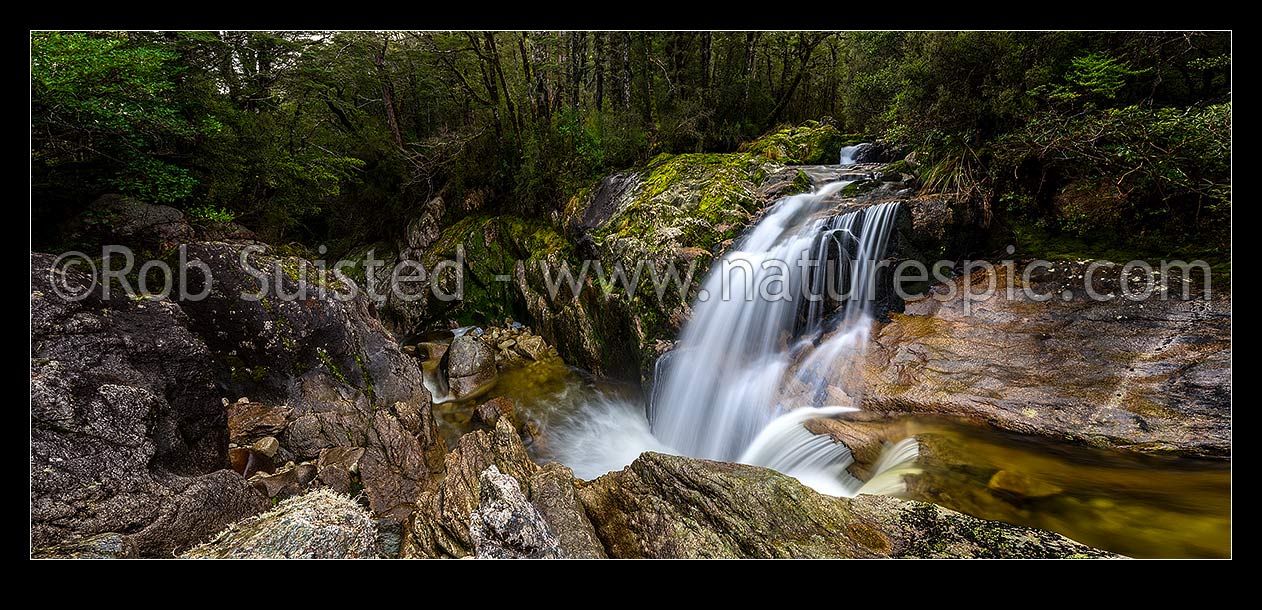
339,138
1167,169
106,114
209,214
1094,76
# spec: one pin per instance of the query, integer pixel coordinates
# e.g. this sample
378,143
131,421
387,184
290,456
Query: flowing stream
749,373
793,299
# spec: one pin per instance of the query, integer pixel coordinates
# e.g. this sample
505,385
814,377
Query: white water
848,153
724,392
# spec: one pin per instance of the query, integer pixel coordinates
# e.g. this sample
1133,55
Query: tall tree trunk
387,93
705,62
578,66
626,69
600,71
751,65
646,80
498,64
806,46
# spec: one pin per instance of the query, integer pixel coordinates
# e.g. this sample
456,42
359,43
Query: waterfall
848,153
725,387
778,319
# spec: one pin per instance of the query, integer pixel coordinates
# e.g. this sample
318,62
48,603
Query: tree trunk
600,71
387,94
705,62
646,80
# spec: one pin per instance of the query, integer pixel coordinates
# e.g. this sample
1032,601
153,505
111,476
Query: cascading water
766,320
848,153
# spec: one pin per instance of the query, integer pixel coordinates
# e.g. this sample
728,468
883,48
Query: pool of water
1141,506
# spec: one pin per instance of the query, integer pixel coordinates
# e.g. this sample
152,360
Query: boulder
338,466
1151,376
492,410
471,367
505,525
877,152
812,142
396,463
268,446
534,347
287,482
128,433
300,341
121,220
408,306
440,525
250,421
552,491
665,506
317,525
343,378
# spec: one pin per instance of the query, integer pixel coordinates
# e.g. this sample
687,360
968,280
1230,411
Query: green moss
492,246
333,368
811,142
855,189
687,201
370,388
801,184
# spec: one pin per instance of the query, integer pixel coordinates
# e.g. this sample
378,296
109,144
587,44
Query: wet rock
431,350
1022,484
877,152
268,446
492,410
534,347
1151,376
440,525
128,433
670,506
471,367
784,182
317,525
505,525
552,491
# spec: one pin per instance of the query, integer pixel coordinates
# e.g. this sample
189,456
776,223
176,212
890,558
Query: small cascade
848,153
790,306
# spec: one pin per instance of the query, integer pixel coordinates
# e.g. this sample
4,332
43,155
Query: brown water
1141,506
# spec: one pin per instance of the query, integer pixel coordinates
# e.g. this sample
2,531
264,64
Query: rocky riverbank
303,428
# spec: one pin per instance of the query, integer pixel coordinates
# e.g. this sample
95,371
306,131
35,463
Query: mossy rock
854,189
812,142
